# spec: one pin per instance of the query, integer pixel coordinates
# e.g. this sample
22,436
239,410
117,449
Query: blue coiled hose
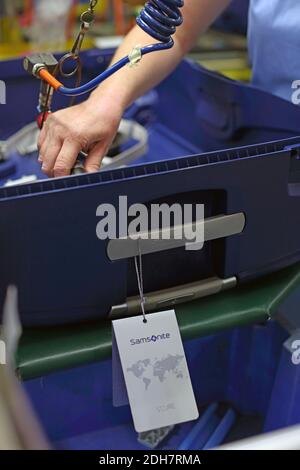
159,19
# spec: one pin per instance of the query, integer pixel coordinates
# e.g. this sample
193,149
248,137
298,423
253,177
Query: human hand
89,127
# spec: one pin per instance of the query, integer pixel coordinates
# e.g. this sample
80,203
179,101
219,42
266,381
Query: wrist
101,103
113,92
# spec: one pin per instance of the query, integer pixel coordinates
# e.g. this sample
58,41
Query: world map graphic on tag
147,370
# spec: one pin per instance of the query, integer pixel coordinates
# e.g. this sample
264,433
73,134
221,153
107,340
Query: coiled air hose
159,19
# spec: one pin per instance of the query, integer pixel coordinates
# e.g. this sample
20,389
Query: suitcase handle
214,228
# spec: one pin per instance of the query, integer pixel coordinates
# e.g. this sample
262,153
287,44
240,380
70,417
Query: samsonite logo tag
150,339
155,372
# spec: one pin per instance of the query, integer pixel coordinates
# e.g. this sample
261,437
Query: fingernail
92,169
44,167
40,160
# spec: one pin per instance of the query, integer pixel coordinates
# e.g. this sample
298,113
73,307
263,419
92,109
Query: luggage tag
150,361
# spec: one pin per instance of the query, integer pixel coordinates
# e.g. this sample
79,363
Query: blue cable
159,19
198,429
221,430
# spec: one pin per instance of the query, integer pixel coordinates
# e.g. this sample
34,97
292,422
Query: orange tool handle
47,77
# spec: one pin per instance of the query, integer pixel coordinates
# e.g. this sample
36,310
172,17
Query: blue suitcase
64,273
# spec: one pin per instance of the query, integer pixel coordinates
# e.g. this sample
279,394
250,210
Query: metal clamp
167,298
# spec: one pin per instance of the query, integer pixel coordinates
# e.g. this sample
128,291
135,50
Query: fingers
58,158
42,138
66,158
66,133
57,153
95,156
48,155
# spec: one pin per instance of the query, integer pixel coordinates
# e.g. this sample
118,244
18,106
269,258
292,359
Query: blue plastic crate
244,382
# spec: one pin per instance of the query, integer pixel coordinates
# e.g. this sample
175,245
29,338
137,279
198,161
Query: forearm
130,83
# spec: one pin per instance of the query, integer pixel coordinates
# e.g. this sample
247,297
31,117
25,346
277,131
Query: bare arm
91,126
128,84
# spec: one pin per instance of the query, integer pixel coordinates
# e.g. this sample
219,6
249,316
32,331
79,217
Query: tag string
139,275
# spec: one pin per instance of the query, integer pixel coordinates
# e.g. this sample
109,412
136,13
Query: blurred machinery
9,25
20,26
31,25
223,49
